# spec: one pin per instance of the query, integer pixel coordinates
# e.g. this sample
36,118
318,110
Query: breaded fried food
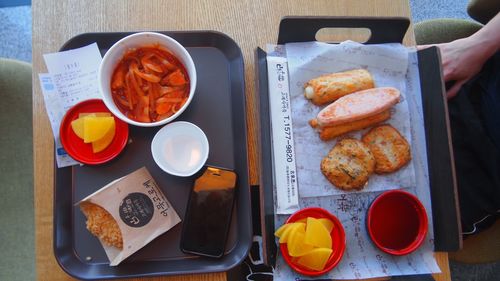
389,147
348,165
358,105
331,132
327,88
102,225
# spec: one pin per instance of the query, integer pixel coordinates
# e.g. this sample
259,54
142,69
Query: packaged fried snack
102,225
127,214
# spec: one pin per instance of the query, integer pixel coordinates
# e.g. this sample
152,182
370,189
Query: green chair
483,247
17,251
437,31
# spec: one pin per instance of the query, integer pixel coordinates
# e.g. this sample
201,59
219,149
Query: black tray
443,190
218,108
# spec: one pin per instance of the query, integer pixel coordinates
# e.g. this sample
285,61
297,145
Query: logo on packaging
136,209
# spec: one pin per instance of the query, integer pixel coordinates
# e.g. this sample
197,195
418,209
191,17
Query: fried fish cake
389,147
102,225
358,105
348,164
329,87
331,132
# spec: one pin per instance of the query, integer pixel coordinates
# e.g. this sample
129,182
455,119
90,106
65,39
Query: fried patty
389,147
102,225
348,165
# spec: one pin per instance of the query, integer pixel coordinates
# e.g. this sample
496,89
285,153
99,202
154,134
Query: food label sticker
136,209
284,173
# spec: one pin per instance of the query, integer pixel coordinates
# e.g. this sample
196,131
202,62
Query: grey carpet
432,9
15,34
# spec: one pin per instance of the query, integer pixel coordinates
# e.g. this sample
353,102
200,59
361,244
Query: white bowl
180,148
115,54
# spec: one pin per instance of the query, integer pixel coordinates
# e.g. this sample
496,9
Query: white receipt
72,78
56,113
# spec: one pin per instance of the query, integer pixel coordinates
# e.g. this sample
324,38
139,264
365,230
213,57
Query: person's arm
464,58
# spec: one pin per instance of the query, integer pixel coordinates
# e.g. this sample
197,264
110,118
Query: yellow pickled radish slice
288,231
77,126
94,114
279,232
327,223
101,144
317,234
94,128
296,246
315,259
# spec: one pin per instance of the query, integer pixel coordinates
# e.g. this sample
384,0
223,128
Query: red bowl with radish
310,256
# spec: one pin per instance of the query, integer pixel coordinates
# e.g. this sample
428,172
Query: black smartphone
208,215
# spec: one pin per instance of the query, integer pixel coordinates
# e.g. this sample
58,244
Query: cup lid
180,148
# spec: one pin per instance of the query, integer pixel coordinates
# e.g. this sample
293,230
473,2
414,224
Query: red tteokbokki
149,84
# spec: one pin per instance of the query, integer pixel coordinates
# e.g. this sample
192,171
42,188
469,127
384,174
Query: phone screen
208,214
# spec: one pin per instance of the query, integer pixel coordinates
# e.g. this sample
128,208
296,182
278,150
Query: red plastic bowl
397,222
81,151
338,241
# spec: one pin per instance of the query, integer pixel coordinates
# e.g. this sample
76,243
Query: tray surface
219,100
445,214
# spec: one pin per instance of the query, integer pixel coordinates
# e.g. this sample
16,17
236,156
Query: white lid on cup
180,148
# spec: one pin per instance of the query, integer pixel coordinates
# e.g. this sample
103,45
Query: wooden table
250,23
